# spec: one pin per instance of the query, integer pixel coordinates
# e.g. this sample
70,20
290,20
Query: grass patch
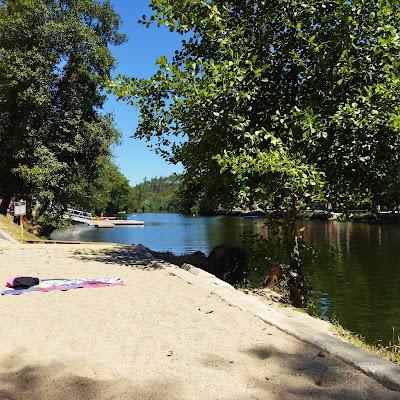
390,352
8,226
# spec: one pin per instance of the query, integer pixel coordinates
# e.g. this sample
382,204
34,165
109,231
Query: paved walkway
158,337
5,237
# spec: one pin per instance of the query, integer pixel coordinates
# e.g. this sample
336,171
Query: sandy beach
156,338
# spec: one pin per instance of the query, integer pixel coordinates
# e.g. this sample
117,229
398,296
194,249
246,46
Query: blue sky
137,58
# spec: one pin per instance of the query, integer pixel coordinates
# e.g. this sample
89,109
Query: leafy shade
54,56
267,100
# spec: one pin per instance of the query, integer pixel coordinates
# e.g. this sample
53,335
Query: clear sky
137,58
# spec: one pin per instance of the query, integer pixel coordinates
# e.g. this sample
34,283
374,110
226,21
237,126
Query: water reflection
358,284
362,281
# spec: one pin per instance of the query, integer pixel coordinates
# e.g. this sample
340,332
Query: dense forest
157,194
112,194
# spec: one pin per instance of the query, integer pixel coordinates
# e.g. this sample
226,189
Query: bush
266,253
263,254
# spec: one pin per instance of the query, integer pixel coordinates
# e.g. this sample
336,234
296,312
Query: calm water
360,285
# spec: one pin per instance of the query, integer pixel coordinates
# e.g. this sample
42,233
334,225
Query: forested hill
157,194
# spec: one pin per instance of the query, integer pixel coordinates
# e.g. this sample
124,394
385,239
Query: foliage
319,215
277,102
268,250
264,253
54,56
110,192
267,99
157,194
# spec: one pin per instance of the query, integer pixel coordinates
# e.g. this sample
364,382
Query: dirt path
156,338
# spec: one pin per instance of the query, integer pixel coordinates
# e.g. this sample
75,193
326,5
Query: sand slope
156,338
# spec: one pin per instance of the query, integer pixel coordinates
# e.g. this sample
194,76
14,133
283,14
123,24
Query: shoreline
383,345
201,315
360,216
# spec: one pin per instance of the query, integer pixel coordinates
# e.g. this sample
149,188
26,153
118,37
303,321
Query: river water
359,285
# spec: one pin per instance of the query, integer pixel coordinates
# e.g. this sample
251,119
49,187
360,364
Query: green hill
156,194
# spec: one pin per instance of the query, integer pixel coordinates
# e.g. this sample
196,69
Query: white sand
156,338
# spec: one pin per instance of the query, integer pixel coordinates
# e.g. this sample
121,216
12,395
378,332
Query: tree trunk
296,281
29,209
6,198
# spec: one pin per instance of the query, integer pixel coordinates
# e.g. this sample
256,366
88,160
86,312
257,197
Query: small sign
19,208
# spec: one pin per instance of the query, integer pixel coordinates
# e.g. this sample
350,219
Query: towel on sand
67,284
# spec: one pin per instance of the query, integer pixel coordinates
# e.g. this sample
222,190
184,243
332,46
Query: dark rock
228,263
198,259
225,262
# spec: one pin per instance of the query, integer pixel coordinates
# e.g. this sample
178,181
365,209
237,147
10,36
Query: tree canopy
110,192
54,57
266,100
158,194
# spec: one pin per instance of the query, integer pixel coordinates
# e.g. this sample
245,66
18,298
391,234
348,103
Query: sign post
20,210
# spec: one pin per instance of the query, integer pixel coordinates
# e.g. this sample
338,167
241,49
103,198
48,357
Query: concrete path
5,237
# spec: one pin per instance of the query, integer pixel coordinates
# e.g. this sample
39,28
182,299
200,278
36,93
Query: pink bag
10,282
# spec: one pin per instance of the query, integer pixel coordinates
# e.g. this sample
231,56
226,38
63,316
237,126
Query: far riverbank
383,217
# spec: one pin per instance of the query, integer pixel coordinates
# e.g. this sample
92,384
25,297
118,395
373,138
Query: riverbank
383,217
13,230
158,337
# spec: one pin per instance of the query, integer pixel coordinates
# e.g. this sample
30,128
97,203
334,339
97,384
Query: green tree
275,101
54,56
158,194
109,193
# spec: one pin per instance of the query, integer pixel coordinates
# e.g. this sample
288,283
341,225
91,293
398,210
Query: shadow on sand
225,262
309,374
19,380
128,255
304,374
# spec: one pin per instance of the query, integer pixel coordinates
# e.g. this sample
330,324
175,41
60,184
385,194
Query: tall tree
54,56
274,101
110,192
